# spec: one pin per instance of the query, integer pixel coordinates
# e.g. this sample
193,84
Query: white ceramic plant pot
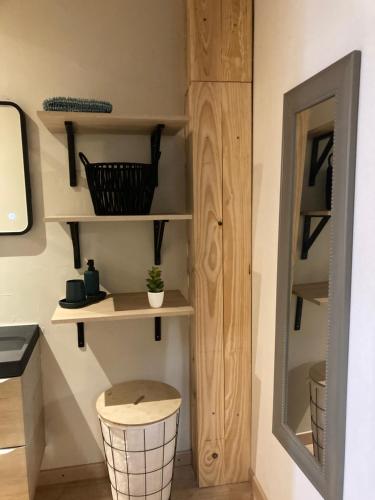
155,299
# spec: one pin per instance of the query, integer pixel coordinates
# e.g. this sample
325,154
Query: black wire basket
124,188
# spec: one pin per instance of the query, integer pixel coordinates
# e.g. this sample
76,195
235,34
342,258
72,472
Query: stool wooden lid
139,402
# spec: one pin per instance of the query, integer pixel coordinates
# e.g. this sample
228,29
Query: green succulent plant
154,282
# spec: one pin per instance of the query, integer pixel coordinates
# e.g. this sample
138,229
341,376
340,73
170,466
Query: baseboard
91,471
256,488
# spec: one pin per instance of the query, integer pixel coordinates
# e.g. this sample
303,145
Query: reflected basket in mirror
317,382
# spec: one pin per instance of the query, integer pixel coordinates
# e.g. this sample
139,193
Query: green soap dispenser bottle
91,279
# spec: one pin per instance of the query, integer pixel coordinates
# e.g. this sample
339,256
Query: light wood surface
33,418
220,40
121,306
11,413
236,45
116,218
204,33
21,404
108,123
219,139
322,129
138,402
317,293
206,283
21,409
236,119
184,488
13,474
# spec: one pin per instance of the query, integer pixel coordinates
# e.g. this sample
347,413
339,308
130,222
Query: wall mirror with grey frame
314,272
15,193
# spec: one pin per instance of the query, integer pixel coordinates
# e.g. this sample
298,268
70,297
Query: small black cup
75,291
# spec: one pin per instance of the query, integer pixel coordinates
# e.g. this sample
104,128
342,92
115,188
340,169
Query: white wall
294,40
133,54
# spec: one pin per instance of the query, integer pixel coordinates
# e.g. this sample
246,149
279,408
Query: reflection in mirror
15,202
314,272
308,334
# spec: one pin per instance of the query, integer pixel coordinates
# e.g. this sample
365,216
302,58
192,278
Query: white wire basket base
140,460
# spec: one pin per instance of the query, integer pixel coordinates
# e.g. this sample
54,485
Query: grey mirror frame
25,153
341,81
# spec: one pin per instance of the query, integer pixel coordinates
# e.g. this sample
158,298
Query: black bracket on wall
298,317
307,238
81,334
317,160
71,153
159,226
74,233
157,329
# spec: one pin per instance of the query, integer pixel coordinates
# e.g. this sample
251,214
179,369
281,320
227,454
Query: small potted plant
155,286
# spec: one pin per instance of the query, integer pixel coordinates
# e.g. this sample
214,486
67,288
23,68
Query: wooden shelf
322,129
125,306
317,293
117,218
317,213
107,123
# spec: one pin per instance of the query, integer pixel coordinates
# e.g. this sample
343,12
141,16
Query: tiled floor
184,489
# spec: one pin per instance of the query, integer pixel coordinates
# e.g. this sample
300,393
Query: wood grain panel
13,474
11,414
220,52
204,32
236,99
207,279
220,40
236,40
207,213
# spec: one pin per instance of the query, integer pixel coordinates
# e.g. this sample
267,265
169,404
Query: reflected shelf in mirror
317,293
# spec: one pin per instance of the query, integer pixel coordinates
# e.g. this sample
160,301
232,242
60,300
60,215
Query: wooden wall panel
236,127
236,42
219,60
204,26
220,40
207,279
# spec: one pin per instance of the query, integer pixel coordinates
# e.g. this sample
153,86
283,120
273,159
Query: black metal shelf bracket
307,238
157,329
155,150
81,334
74,233
317,160
298,317
71,153
159,226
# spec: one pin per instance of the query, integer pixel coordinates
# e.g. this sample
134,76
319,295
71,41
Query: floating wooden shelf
322,129
125,306
107,123
317,293
117,218
317,213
